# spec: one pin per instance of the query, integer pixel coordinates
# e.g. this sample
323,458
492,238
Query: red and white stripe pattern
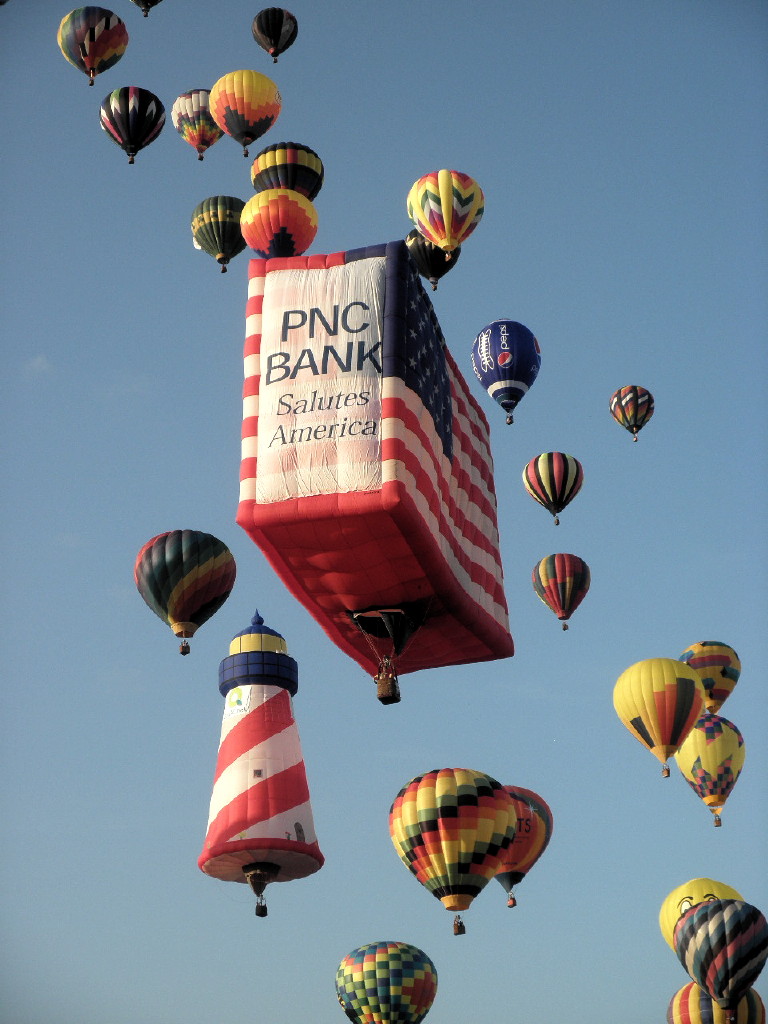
260,809
418,521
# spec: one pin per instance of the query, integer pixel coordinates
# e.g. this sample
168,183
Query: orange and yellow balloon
245,105
659,700
279,222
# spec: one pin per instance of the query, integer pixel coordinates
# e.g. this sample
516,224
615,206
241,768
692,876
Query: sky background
622,153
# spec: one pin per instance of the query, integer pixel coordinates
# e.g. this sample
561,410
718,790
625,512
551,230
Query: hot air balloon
216,228
719,668
386,981
279,222
132,118
245,105
185,576
192,119
432,262
446,207
692,1005
506,359
723,945
366,474
687,895
711,758
451,828
288,165
534,830
275,29
632,407
562,582
260,824
93,39
553,479
146,5
659,700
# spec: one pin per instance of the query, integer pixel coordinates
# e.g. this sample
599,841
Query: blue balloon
506,359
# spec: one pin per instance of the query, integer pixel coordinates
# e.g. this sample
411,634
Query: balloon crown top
258,655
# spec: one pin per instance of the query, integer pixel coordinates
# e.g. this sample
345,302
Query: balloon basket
184,648
665,771
718,821
458,926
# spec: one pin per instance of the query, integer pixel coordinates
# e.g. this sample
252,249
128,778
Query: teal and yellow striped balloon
216,228
451,827
446,207
386,983
184,576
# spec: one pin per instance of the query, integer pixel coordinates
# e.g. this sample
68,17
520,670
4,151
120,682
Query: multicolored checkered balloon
386,982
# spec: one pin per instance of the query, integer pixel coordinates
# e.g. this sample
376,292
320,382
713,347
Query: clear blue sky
622,152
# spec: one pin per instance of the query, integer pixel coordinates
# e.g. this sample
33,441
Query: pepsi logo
503,358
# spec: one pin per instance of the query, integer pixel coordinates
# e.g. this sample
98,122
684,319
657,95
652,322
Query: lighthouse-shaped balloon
260,826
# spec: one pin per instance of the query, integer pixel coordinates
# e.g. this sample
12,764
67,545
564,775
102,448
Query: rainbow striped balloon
184,576
446,207
692,1005
553,479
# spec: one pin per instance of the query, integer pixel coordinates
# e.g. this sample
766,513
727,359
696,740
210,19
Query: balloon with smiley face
687,895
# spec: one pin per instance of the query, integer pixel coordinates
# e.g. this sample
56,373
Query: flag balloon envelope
366,476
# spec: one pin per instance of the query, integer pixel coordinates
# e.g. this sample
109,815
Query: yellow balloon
659,701
711,758
687,895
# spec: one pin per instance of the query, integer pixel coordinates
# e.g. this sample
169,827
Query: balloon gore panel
366,475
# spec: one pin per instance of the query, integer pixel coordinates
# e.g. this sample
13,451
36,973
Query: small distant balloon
506,359
432,261
93,39
275,29
146,5
216,228
632,407
132,118
561,581
192,119
553,479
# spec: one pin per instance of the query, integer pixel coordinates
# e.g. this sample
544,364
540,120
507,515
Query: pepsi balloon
506,359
